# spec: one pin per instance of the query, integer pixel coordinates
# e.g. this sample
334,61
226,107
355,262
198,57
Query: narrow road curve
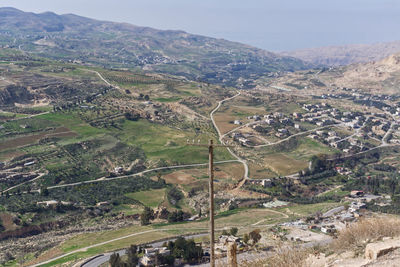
117,87
117,239
102,78
139,173
104,258
221,136
240,127
114,178
294,135
30,116
93,246
385,137
272,211
30,181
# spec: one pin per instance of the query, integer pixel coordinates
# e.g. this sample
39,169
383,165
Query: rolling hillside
344,55
117,45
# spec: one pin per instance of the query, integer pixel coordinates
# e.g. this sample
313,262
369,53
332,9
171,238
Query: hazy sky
273,25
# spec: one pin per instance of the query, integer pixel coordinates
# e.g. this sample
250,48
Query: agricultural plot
157,87
4,116
169,144
286,158
282,164
258,171
226,175
31,139
304,210
227,114
245,219
151,198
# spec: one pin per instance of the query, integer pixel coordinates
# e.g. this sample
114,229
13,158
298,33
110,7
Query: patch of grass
312,208
152,138
141,238
150,198
282,164
11,115
240,217
85,240
308,147
167,100
247,217
291,156
337,192
73,122
127,209
42,108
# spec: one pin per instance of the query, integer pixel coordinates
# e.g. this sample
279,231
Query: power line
210,146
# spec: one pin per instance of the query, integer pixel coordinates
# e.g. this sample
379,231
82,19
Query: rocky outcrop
381,253
33,230
376,250
14,94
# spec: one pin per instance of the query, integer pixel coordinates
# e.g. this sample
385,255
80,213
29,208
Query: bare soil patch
284,165
180,177
7,221
27,140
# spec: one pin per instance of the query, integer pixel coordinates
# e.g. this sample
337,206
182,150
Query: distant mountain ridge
382,75
71,37
345,55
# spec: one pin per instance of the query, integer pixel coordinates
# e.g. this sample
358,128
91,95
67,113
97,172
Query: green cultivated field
154,140
151,198
243,218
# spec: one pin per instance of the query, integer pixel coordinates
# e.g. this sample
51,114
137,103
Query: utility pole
210,146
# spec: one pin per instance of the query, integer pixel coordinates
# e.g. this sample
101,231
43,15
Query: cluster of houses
378,126
347,144
338,218
53,203
150,254
277,120
221,246
317,114
323,114
329,222
242,139
366,125
356,94
18,172
268,182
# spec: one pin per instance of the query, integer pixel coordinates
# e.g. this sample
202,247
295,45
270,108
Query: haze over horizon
271,25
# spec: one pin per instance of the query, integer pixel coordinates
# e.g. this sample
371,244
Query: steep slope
71,37
377,77
344,55
381,75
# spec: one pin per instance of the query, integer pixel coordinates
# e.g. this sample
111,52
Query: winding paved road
102,78
103,258
221,136
294,135
139,173
18,185
93,246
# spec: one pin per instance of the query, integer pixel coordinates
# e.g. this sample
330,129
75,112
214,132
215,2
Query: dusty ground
307,236
26,140
7,221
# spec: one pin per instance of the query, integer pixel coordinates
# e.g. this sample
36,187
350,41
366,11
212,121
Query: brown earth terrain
348,54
